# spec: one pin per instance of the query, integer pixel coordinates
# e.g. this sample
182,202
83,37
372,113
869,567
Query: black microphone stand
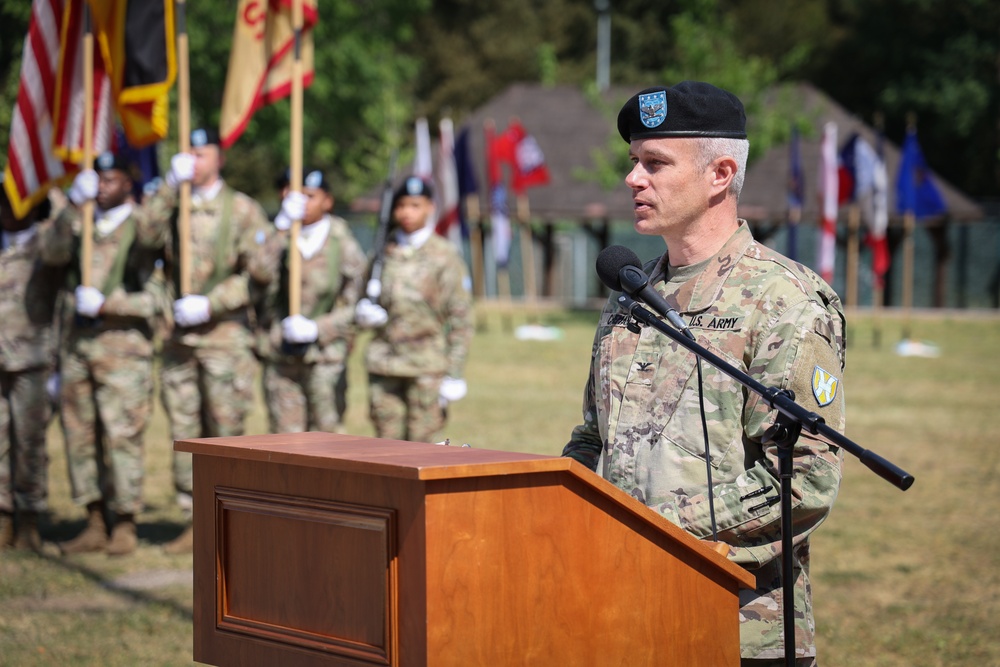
792,418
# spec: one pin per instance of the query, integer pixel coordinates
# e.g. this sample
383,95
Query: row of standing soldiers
94,353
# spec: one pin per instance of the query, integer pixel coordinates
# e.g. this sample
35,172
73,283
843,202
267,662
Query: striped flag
829,182
46,132
449,224
260,62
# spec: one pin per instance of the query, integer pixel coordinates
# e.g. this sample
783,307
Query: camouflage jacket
28,291
332,280
778,322
219,257
129,277
425,292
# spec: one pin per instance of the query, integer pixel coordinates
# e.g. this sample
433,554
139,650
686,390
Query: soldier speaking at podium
770,317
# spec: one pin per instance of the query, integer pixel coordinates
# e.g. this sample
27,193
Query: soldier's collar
699,293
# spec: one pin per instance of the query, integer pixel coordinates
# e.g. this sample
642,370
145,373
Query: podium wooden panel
321,549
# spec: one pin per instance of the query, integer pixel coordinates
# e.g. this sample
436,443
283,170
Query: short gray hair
713,148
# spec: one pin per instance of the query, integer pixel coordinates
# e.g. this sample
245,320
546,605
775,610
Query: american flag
46,133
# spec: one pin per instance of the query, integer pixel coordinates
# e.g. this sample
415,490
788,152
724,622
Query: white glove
89,301
52,386
299,329
370,315
181,169
192,310
293,207
453,389
374,288
84,187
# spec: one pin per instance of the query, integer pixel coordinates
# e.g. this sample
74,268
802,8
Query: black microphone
621,271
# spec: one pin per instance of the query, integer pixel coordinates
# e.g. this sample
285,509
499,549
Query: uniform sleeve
264,265
800,353
57,239
585,443
458,316
152,219
339,323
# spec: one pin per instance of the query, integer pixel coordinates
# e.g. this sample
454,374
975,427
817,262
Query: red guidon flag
46,131
260,63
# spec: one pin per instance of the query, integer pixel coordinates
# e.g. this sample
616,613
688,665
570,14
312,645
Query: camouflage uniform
208,369
27,340
307,392
773,319
425,293
106,365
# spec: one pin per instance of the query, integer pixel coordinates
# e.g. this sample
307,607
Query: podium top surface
392,458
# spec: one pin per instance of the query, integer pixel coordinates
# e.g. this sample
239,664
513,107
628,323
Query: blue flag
915,191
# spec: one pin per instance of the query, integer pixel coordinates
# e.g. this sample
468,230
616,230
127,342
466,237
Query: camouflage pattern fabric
305,397
27,301
308,392
322,278
425,293
208,370
230,298
24,463
775,320
206,393
106,366
406,408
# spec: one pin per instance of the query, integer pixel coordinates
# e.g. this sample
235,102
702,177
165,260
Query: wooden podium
320,549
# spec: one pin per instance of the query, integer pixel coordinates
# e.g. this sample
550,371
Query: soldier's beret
413,187
314,178
107,161
689,109
203,136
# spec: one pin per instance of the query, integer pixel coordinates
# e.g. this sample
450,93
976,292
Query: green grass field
900,578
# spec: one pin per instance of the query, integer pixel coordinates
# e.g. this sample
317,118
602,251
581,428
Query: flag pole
184,141
527,254
909,226
853,234
87,232
295,168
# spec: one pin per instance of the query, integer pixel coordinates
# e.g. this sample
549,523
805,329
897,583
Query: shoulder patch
824,386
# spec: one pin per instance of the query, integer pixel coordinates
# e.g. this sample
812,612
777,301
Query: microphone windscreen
611,261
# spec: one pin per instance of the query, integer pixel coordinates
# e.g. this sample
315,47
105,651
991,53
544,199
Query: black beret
312,178
689,109
203,136
107,161
413,186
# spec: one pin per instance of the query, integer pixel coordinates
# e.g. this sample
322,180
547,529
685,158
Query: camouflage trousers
106,402
799,662
206,393
406,408
24,415
305,397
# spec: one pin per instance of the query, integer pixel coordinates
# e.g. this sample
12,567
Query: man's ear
723,172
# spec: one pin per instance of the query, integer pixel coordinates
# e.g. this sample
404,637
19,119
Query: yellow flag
260,63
